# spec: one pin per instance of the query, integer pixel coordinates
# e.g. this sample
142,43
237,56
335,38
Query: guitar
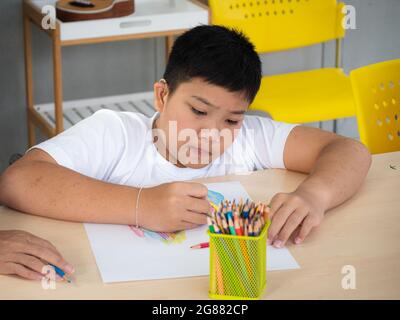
78,10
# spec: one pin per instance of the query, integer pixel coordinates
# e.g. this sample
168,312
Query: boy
120,167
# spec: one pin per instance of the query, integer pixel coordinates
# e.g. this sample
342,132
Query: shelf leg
57,75
29,78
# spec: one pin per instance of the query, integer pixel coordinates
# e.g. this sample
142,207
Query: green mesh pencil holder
238,266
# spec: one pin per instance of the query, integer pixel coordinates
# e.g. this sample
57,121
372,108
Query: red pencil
200,245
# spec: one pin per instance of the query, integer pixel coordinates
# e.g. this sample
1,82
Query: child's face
199,120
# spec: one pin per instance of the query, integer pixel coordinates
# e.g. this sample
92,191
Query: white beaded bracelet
137,207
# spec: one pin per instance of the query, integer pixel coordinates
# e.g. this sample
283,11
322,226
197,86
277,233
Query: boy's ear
160,95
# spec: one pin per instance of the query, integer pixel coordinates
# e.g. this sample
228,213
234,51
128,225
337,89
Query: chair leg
335,125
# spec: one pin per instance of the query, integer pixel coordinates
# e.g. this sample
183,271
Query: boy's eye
198,112
232,122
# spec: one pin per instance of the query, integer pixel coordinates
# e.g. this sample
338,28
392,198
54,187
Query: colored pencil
201,245
61,273
239,218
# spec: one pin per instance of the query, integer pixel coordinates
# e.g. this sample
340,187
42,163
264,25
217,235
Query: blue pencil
61,273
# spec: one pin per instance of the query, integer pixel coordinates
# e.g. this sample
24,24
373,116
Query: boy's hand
23,254
293,213
174,206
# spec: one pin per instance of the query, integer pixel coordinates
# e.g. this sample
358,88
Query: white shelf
149,16
77,110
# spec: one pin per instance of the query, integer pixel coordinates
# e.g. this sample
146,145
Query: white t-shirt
117,147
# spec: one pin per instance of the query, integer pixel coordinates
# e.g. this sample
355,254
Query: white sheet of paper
123,256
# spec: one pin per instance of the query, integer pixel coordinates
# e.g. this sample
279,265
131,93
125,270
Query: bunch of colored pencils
242,219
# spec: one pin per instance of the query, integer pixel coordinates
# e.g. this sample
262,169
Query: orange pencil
267,210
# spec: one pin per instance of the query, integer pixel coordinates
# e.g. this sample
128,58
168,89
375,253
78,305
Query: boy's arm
337,167
36,184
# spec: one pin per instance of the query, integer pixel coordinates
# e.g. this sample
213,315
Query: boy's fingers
28,261
24,272
196,190
279,220
198,205
290,226
43,243
188,225
304,230
196,218
275,203
48,256
267,211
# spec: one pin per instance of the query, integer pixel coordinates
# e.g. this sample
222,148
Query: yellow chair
276,25
377,97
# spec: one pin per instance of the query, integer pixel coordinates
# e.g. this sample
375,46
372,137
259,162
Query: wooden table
364,233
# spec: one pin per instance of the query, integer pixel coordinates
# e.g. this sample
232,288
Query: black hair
218,55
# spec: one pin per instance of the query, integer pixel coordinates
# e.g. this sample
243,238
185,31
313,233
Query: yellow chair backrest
377,96
275,25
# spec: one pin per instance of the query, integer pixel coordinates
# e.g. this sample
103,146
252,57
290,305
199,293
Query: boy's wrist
142,207
136,218
139,218
316,192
